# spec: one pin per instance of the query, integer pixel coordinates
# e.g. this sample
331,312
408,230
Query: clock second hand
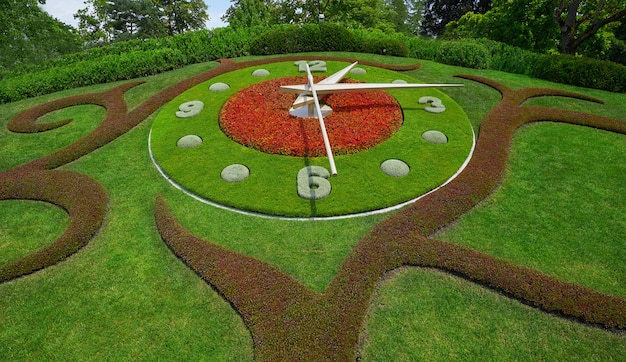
318,109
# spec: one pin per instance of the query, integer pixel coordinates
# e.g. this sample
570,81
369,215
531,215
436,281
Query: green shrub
464,54
197,46
375,41
284,39
581,71
423,48
479,52
106,69
229,43
508,58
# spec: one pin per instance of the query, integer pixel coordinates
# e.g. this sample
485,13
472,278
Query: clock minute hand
356,87
329,152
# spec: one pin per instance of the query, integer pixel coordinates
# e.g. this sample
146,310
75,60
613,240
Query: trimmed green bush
508,58
197,46
581,71
474,53
374,41
302,38
423,48
464,54
106,69
290,38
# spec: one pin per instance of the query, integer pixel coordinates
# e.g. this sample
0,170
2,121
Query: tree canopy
579,20
112,20
546,25
438,13
386,15
527,24
30,35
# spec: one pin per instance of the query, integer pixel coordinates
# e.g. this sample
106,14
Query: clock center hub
309,111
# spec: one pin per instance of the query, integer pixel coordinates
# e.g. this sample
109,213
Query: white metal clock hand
356,87
304,99
329,151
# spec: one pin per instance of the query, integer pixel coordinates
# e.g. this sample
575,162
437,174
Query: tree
130,19
400,15
92,22
386,15
366,13
249,13
415,8
579,20
438,13
30,35
581,26
523,23
113,20
183,15
617,52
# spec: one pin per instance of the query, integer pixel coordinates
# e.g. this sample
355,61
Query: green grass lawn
126,296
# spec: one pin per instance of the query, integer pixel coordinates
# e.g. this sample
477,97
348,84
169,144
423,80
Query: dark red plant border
289,321
83,198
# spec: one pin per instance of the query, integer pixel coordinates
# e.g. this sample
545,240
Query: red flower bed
258,117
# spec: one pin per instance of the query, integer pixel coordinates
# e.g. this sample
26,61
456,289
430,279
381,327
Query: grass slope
125,296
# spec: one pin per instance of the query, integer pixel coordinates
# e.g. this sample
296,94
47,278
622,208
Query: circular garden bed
241,118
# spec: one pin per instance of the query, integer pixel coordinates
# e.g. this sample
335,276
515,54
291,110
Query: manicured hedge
374,41
473,53
109,68
581,71
286,39
127,60
508,58
464,54
198,46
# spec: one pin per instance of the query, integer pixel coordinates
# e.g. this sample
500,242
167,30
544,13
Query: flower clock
286,138
252,140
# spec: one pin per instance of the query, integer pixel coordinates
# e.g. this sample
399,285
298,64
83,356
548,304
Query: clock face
233,142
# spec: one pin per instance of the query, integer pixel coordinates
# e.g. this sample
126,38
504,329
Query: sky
64,10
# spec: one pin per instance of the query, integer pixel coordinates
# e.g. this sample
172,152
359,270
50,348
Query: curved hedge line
287,319
580,71
285,39
109,68
137,58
